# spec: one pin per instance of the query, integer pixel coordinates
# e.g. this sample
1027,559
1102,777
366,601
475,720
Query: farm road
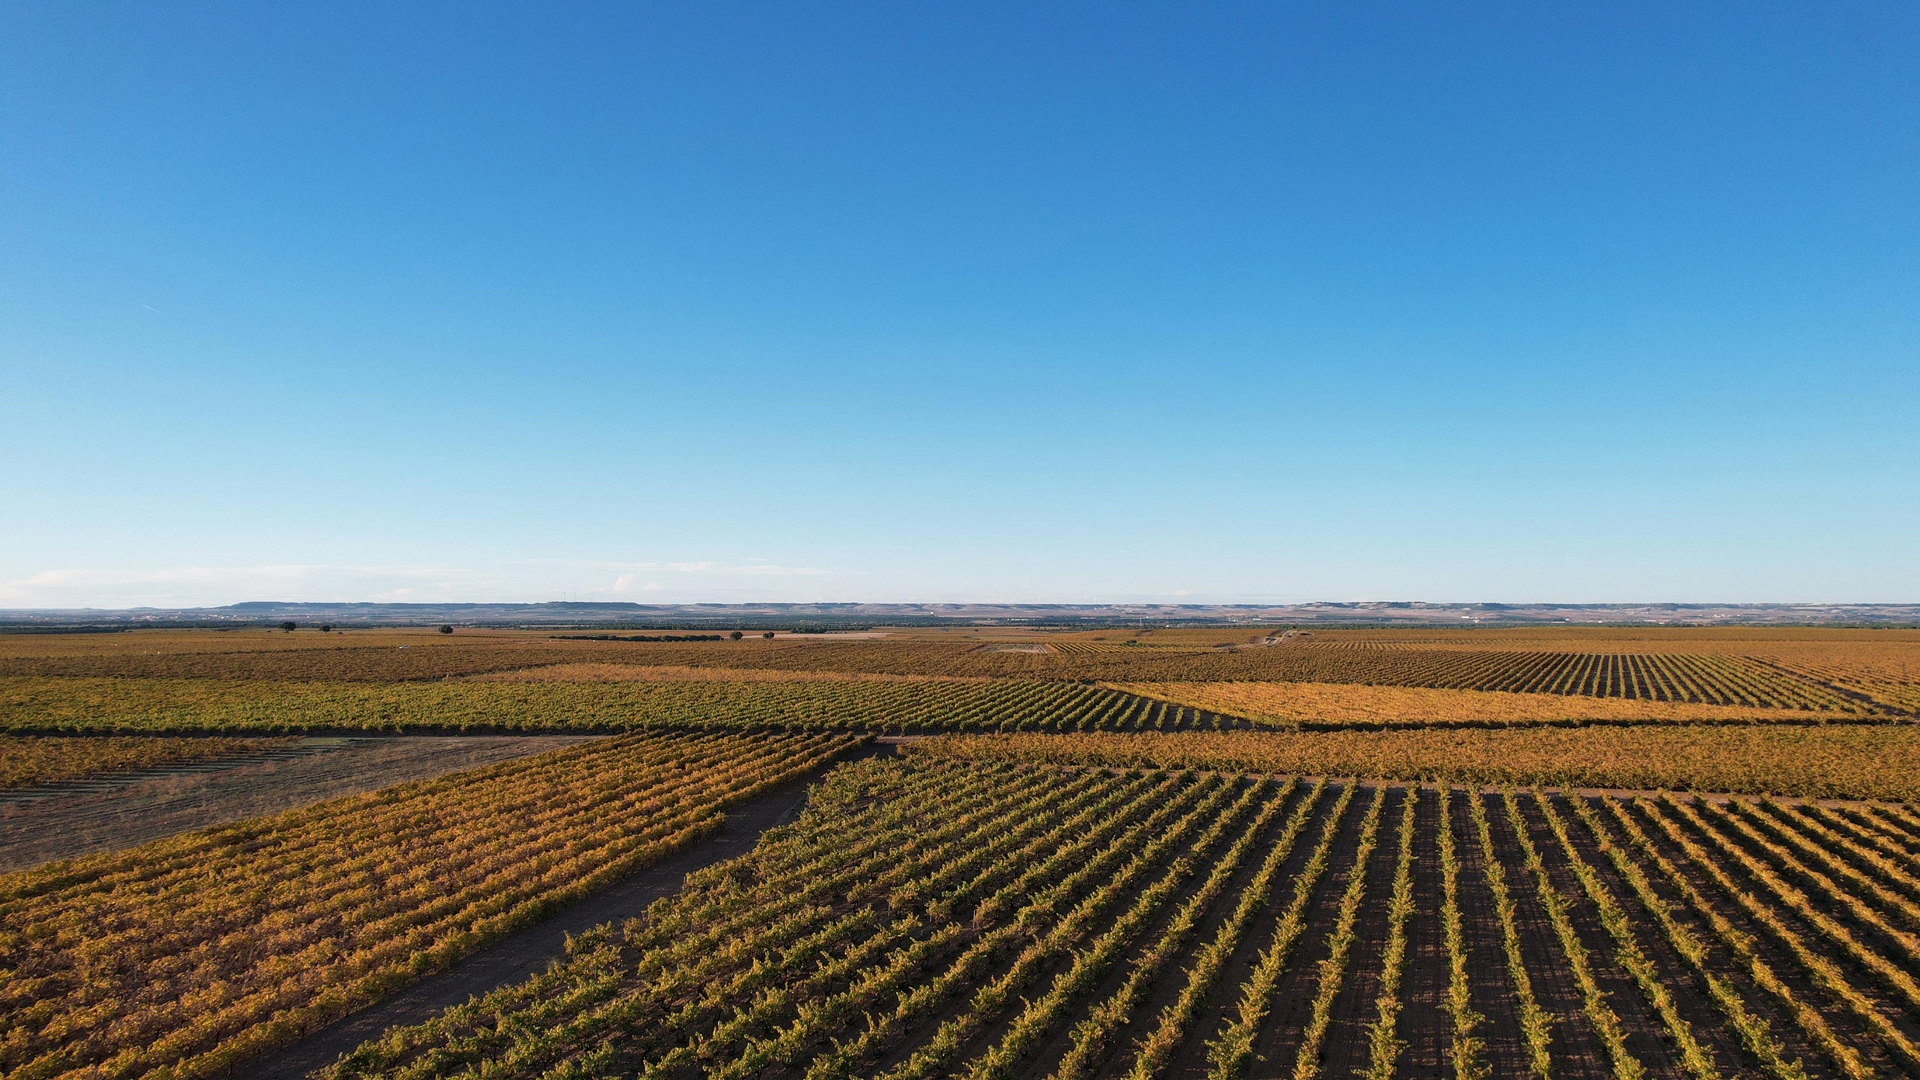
530,950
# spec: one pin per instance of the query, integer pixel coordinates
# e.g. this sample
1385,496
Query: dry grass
1281,704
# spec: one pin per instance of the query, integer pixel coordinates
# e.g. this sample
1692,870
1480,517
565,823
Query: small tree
288,626
768,635
326,628
446,629
736,635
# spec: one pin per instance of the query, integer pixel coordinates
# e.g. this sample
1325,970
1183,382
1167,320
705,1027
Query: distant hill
851,616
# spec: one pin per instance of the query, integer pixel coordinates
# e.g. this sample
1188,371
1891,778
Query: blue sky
965,302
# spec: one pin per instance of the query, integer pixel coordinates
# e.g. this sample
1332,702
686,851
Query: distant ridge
826,616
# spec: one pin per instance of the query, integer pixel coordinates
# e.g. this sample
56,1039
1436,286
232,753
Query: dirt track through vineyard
532,949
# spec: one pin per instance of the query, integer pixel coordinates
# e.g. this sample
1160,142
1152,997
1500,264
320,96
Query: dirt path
528,951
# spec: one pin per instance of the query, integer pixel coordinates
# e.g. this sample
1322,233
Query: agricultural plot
1040,890
26,762
1693,679
1309,705
184,956
118,811
936,917
60,705
1830,672
1827,761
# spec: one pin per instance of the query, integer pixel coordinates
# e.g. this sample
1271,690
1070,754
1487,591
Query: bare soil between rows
528,951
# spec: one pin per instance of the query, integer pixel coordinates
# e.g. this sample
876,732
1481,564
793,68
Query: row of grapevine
1817,944
30,761
1713,680
885,706
191,953
1340,940
932,917
1824,760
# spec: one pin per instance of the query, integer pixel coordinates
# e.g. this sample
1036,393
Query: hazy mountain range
851,615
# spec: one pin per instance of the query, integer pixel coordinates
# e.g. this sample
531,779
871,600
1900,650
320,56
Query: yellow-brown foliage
1285,704
35,760
1814,670
1840,761
184,956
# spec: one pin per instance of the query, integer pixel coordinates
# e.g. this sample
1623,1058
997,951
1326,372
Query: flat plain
1221,852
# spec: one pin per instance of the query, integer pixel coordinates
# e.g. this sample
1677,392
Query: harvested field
81,819
936,917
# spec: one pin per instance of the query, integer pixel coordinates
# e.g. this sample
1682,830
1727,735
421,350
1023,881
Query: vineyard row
932,918
26,761
188,705
191,953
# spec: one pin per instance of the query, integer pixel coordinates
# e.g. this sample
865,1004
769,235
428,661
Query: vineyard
1818,672
47,761
1829,761
1709,680
885,706
936,918
189,953
1305,704
1223,853
112,811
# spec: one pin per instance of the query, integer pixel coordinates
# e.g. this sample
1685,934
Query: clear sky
1275,302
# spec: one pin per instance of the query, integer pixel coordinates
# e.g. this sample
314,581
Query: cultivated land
116,810
26,763
1211,851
